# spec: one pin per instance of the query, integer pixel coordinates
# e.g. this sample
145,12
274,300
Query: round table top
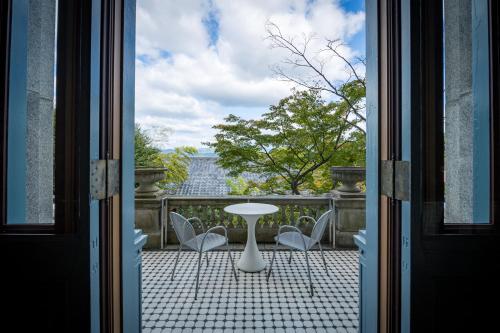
251,209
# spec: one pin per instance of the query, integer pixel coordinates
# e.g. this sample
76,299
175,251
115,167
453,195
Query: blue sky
200,60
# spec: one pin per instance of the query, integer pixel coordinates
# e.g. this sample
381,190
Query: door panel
369,316
70,276
131,259
449,271
48,271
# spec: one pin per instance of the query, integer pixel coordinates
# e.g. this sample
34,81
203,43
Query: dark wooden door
68,258
449,232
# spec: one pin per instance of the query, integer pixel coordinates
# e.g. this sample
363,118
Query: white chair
296,240
201,243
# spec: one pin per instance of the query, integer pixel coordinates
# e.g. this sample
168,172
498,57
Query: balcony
252,305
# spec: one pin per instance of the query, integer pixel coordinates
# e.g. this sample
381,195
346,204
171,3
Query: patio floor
252,304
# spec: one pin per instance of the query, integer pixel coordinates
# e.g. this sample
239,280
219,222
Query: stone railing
153,205
211,211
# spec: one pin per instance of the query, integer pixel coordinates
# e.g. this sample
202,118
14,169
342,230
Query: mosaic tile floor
252,304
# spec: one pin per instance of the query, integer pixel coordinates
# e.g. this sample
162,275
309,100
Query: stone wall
349,218
458,111
147,218
40,111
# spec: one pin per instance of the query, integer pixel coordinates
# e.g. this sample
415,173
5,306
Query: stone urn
147,179
348,177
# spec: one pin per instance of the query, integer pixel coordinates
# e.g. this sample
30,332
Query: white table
251,259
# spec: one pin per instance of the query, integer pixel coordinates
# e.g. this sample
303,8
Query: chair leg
309,272
176,260
198,275
272,261
290,257
323,256
231,261
206,255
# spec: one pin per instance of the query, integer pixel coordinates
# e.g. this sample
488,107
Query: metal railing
211,211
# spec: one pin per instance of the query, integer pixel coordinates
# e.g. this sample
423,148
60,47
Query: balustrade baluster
283,215
204,214
213,218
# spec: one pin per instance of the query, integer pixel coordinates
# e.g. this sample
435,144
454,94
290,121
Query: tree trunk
295,187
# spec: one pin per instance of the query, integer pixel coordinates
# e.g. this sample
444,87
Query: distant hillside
202,152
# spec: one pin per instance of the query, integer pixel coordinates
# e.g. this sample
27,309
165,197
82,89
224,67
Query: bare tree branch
300,59
332,45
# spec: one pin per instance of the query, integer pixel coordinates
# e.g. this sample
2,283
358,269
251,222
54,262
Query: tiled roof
206,178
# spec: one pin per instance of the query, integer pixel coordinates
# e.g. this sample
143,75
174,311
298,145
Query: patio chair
296,240
201,243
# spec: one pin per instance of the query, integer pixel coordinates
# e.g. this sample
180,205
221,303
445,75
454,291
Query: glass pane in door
31,113
466,111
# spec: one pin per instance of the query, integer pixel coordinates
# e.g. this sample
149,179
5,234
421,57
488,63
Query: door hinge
395,179
104,178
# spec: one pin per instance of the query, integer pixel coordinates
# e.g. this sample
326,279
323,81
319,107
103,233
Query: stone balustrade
211,211
153,218
152,215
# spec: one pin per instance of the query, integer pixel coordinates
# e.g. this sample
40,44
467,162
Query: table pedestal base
251,259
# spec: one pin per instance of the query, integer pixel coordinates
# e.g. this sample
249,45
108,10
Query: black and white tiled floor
252,304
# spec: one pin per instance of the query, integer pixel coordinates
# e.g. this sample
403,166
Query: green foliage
146,155
149,156
237,186
240,186
177,163
296,140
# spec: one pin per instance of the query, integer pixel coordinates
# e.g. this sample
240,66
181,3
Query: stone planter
349,204
348,177
147,179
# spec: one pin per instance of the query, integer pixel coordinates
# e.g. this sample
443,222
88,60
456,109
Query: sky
198,61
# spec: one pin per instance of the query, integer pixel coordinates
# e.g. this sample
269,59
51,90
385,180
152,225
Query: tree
307,68
176,162
293,140
146,154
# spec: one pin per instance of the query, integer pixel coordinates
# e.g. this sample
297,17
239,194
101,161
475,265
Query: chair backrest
320,226
183,229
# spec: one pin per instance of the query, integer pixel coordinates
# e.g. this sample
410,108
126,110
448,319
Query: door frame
370,280
110,149
390,150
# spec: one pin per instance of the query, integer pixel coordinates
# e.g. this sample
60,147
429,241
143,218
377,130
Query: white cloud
189,85
170,25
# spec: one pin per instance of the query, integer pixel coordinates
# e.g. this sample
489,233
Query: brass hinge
104,178
395,179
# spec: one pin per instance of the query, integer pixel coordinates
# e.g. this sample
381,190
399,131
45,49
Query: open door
438,112
70,255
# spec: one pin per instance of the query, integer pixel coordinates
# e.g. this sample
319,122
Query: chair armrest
293,228
304,217
197,219
211,231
